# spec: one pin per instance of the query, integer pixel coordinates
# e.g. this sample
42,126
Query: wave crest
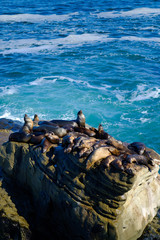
33,18
137,12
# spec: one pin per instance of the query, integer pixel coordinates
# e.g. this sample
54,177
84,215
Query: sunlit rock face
103,194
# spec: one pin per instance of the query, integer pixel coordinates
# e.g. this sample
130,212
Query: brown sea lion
52,138
77,142
101,134
82,152
115,143
99,143
36,139
71,123
128,168
87,142
45,145
85,152
84,130
67,140
77,134
97,155
48,123
28,125
106,162
117,163
68,143
114,151
69,148
80,119
150,159
131,159
140,159
36,118
60,132
63,123
20,137
138,147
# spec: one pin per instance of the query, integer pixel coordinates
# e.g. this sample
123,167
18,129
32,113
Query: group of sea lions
95,146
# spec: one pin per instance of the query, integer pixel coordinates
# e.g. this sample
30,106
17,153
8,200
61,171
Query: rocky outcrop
85,197
12,225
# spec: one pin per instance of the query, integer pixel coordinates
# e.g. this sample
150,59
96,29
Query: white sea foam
144,112
8,90
33,18
25,46
34,46
52,79
140,39
148,28
143,93
137,12
125,117
143,120
8,115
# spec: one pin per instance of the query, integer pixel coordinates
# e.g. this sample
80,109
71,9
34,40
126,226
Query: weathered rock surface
73,202
12,225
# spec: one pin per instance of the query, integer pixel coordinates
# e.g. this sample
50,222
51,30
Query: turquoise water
57,57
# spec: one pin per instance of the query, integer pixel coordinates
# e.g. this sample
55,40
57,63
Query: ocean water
57,57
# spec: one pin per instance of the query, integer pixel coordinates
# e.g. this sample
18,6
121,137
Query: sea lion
45,145
131,159
84,130
87,142
52,138
151,160
28,125
99,143
20,137
85,152
101,134
139,159
115,143
138,147
82,152
67,140
106,162
80,119
69,148
35,120
117,163
114,151
128,168
97,155
60,132
63,123
68,143
48,123
77,142
36,139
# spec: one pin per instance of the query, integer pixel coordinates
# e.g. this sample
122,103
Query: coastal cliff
70,196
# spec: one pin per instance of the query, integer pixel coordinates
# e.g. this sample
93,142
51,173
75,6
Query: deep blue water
57,57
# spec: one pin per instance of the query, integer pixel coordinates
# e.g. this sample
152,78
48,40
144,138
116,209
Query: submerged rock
87,197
